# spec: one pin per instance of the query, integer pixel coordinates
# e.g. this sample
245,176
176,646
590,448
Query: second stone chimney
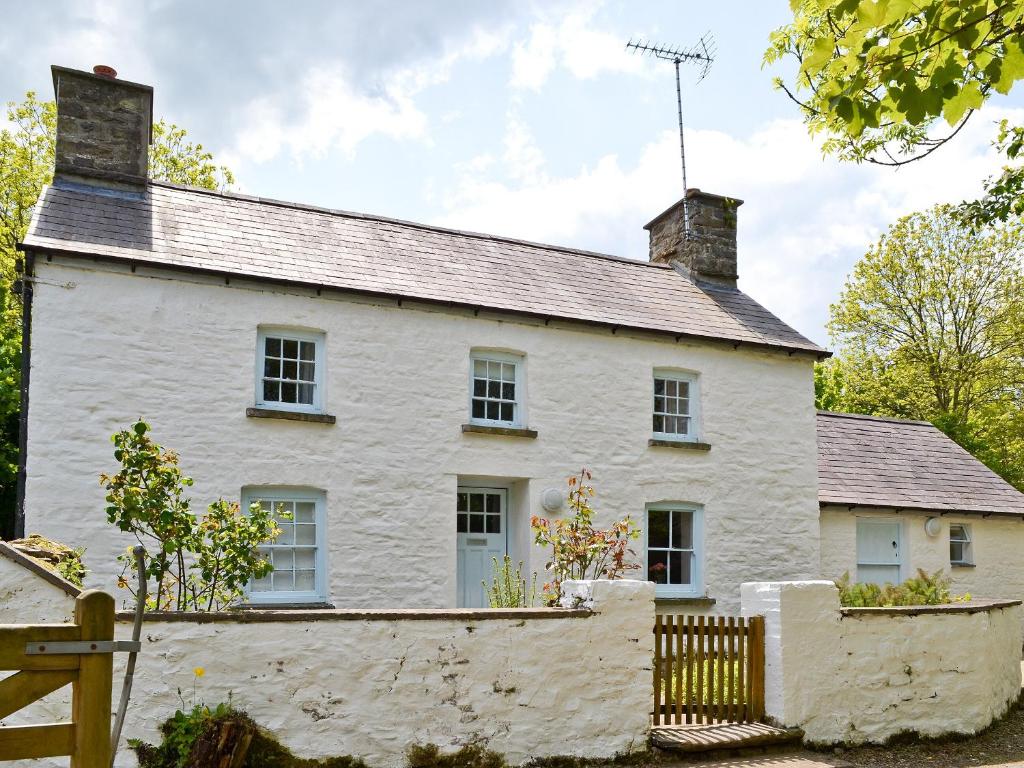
709,253
104,128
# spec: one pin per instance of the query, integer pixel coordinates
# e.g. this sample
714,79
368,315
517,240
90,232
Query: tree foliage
890,81
930,326
194,564
26,166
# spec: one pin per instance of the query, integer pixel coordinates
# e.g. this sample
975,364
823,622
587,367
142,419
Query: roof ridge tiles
880,419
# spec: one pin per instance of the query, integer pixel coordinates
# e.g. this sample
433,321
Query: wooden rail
708,669
86,739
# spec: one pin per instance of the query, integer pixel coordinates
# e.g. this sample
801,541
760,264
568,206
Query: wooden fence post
91,692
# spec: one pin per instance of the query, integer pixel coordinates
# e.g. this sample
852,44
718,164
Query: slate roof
894,463
238,235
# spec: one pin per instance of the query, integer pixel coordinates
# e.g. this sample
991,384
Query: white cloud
805,219
573,42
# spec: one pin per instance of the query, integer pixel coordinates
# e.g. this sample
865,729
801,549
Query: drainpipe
26,366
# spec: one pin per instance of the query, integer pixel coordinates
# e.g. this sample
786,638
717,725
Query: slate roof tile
238,235
871,461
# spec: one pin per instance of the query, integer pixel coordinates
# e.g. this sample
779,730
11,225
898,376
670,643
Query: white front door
480,530
879,551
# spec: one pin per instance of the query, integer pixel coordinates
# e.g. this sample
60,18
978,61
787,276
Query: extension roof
237,235
866,461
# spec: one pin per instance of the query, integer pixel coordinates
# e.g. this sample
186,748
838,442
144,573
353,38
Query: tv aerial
701,54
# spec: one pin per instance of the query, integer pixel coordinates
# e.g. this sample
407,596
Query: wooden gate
43,663
708,669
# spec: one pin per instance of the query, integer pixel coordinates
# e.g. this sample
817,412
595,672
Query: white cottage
412,393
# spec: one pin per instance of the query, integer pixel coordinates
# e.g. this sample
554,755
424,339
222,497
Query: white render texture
25,598
864,677
180,351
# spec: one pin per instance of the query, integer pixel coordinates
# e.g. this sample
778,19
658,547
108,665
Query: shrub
469,756
195,564
923,589
578,549
508,588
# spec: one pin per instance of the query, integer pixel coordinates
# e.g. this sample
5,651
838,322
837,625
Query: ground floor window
960,545
298,553
673,550
879,551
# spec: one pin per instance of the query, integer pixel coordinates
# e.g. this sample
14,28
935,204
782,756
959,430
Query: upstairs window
674,550
960,545
675,406
496,391
290,370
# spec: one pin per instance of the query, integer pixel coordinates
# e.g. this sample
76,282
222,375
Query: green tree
930,326
26,166
879,78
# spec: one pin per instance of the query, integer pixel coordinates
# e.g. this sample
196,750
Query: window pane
461,502
492,411
284,581
478,409
479,388
659,386
684,406
682,572
659,423
480,368
675,567
262,585
494,524
956,551
271,391
284,560
306,371
460,523
290,348
305,394
508,372
288,393
494,389
476,502
659,404
684,388
307,350
305,559
657,567
305,534
493,502
273,347
657,528
305,581
304,511
682,529
272,367
670,387
289,370
672,405
508,391
506,411
476,523
287,536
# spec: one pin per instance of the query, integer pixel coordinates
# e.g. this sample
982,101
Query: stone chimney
104,128
709,254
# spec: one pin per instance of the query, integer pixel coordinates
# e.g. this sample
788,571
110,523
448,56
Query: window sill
270,413
680,600
271,606
963,565
486,429
686,445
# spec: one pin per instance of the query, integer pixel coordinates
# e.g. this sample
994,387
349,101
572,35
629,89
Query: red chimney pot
104,71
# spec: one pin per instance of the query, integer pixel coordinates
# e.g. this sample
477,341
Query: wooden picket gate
708,669
47,657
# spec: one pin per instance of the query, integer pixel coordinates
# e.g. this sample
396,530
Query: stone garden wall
525,682
863,675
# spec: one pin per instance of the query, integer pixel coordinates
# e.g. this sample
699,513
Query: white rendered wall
117,346
998,542
865,677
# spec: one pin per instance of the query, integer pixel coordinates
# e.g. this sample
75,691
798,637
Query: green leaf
969,97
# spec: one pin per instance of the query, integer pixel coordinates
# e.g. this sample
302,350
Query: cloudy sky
520,118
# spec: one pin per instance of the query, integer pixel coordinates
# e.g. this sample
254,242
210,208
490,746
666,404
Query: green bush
508,587
469,756
923,589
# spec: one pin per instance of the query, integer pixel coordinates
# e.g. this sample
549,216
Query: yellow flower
198,671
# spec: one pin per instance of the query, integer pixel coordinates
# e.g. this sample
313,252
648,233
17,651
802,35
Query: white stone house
413,394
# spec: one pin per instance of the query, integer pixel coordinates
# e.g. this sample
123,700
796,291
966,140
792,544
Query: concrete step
722,736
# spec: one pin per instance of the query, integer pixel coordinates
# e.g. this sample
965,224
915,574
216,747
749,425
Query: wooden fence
41,668
708,669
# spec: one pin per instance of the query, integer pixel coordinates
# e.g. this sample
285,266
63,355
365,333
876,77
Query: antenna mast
702,54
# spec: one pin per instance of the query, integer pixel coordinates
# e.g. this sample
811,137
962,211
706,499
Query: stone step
722,736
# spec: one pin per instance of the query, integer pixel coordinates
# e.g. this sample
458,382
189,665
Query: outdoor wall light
552,500
933,526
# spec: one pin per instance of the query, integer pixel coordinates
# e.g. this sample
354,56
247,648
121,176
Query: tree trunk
225,744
